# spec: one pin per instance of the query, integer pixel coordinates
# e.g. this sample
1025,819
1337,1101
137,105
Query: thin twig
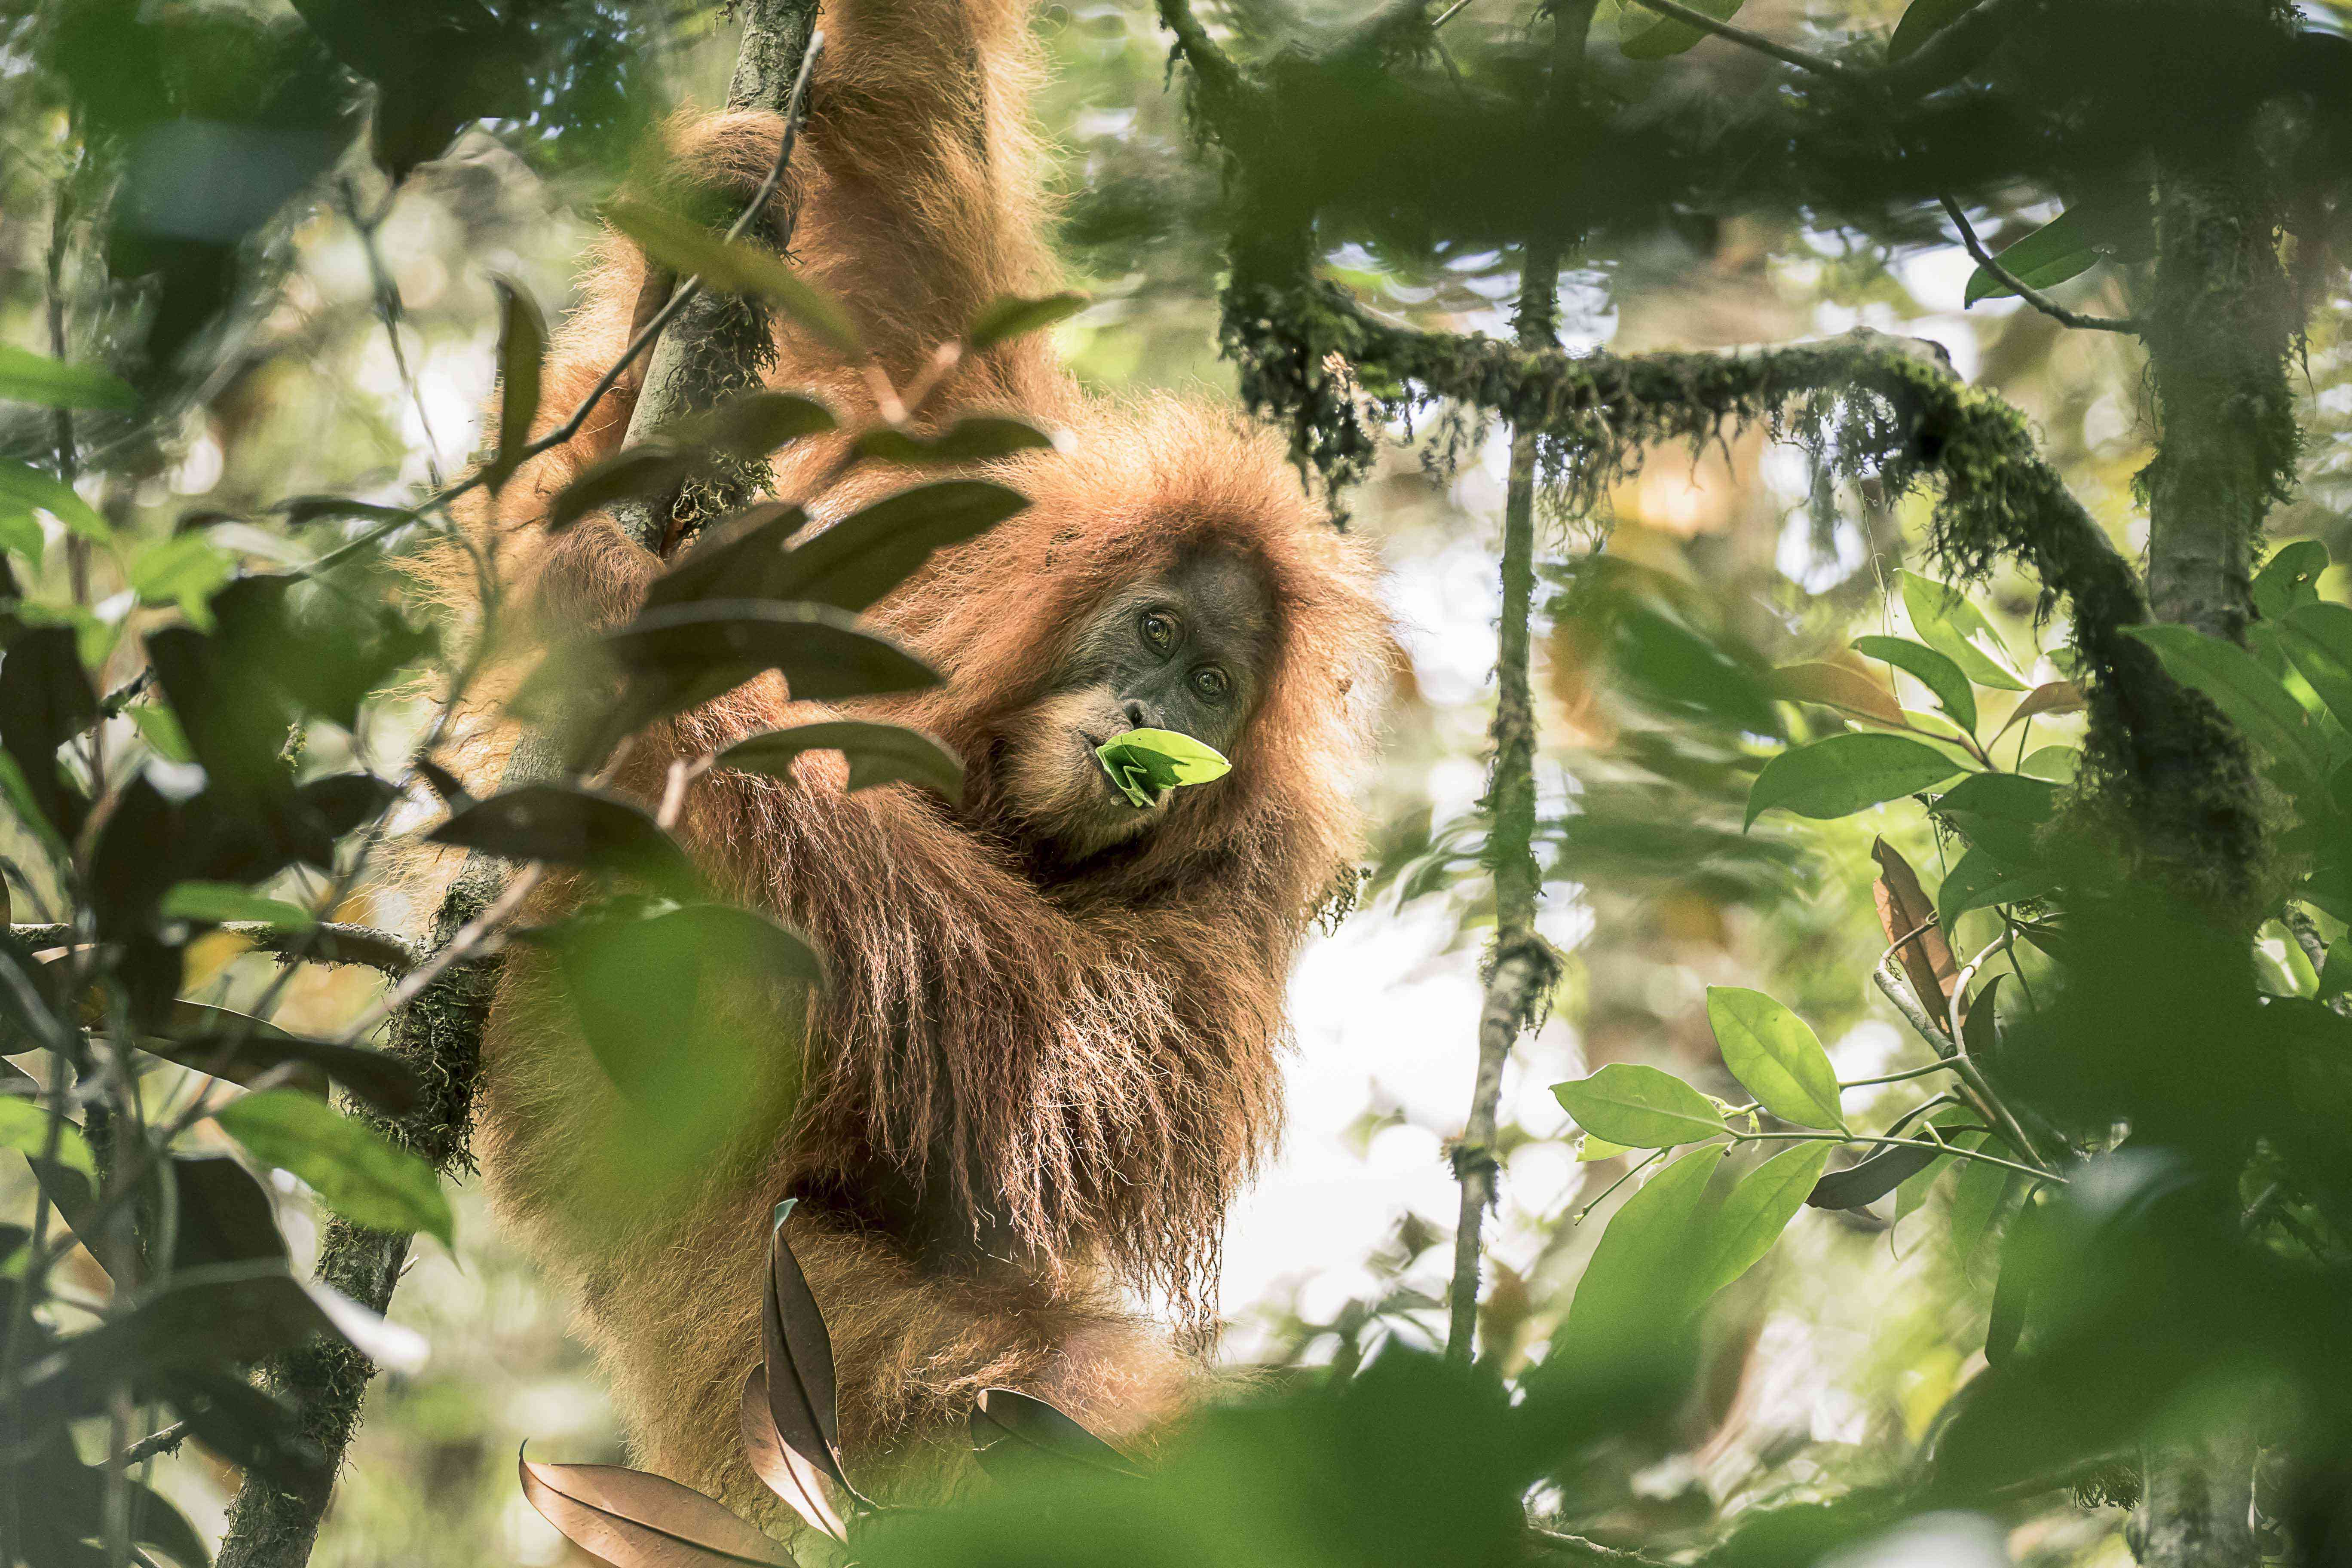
1817,64
327,943
2022,289
166,1441
2037,1174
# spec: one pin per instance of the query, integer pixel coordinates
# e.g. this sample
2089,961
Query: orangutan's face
1185,652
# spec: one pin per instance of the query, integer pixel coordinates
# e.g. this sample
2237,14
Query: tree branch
1817,64
2027,292
329,941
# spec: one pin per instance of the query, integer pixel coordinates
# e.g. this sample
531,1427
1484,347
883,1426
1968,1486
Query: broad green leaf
1956,628
522,344
2252,697
160,727
1979,880
351,1165
2317,639
1146,763
2336,974
2056,763
1591,1147
28,486
1638,1289
1922,20
2001,813
1682,670
25,1125
1867,1180
2059,249
21,534
1665,37
642,471
1933,670
876,754
2290,579
184,570
1758,1209
1776,1055
734,267
1836,686
1639,1107
221,902
856,560
1846,774
28,377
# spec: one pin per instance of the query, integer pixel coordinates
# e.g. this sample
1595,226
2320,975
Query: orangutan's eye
1159,631
1212,683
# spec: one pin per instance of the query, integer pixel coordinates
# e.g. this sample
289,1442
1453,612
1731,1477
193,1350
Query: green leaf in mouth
1146,763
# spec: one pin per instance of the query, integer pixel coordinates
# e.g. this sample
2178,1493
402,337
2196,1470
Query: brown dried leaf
785,1472
632,1520
800,1391
1908,917
2053,697
1836,686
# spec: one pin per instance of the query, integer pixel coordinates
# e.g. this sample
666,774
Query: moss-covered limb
439,1034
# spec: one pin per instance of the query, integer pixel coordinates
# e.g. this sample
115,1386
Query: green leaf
2001,814
855,562
1775,1055
876,754
2059,249
1956,628
1922,20
2056,763
1681,670
25,1126
28,485
1979,880
1846,774
28,377
2317,640
1938,674
21,536
1758,1209
351,1167
1640,1287
979,439
1836,686
1592,1147
1146,763
1666,36
1866,1181
184,570
734,267
221,902
522,344
1976,1197
1010,316
1639,1107
2290,579
2251,697
642,471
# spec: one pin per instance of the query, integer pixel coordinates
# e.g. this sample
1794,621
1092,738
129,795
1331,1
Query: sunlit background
1827,1359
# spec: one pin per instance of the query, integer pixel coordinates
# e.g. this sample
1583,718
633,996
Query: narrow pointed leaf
802,1393
1866,1182
522,344
632,473
784,1471
351,1166
852,565
25,1126
977,439
28,485
634,1519
1012,1433
1013,316
1664,37
2001,814
28,377
1946,621
734,267
2058,251
735,560
2251,697
876,754
1775,1055
240,1047
568,824
1933,670
1751,1219
1638,1289
1979,880
1922,20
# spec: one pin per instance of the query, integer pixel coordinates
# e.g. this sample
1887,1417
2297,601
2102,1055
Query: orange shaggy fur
1079,1065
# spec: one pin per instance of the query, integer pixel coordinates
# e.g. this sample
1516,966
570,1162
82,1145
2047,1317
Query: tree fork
704,354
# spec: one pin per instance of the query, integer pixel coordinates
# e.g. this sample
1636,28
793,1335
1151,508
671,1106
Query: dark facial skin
1186,652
